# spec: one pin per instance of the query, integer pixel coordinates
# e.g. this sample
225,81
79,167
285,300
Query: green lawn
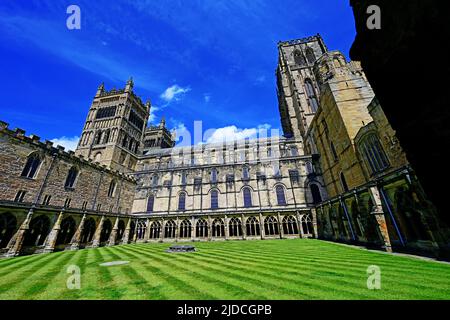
278,269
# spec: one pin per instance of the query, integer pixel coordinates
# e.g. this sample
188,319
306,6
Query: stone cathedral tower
297,87
114,128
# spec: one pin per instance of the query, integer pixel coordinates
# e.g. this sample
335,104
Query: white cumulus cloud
174,93
233,133
70,143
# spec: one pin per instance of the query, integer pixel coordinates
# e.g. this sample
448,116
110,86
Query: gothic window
235,227
281,197
290,225
344,182
31,167
213,176
214,199
310,56
140,230
315,192
271,226
183,178
295,176
150,203
333,151
169,230
106,112
185,229
98,137
136,120
294,151
106,136
218,228
19,196
182,202
201,229
71,177
155,230
252,227
245,173
112,189
373,153
307,226
125,141
276,170
299,59
247,193
311,94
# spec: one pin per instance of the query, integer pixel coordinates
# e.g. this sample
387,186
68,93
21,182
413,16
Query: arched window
311,95
125,141
112,189
344,182
218,228
299,59
245,173
169,230
333,151
252,227
185,229
281,197
32,165
235,227
213,176
315,192
106,136
310,56
150,203
201,229
182,201
271,226
290,225
98,138
373,153
247,193
71,177
141,229
214,199
307,226
155,230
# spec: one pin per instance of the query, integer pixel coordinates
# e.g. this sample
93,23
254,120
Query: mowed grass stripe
243,275
317,268
9,275
138,285
181,283
195,275
397,266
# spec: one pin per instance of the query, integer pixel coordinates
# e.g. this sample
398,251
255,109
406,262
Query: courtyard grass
270,269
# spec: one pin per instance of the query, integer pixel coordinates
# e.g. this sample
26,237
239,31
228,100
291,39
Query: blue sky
208,60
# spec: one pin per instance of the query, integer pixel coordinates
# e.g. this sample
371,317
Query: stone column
135,235
15,244
209,228
126,233
378,212
76,239
244,227
177,229
192,228
113,235
314,222
147,231
97,234
227,232
50,242
280,226
299,225
261,226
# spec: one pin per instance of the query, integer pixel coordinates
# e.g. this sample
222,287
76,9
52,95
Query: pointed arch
201,228
235,227
32,165
252,226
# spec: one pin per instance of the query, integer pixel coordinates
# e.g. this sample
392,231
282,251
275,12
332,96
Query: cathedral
338,173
